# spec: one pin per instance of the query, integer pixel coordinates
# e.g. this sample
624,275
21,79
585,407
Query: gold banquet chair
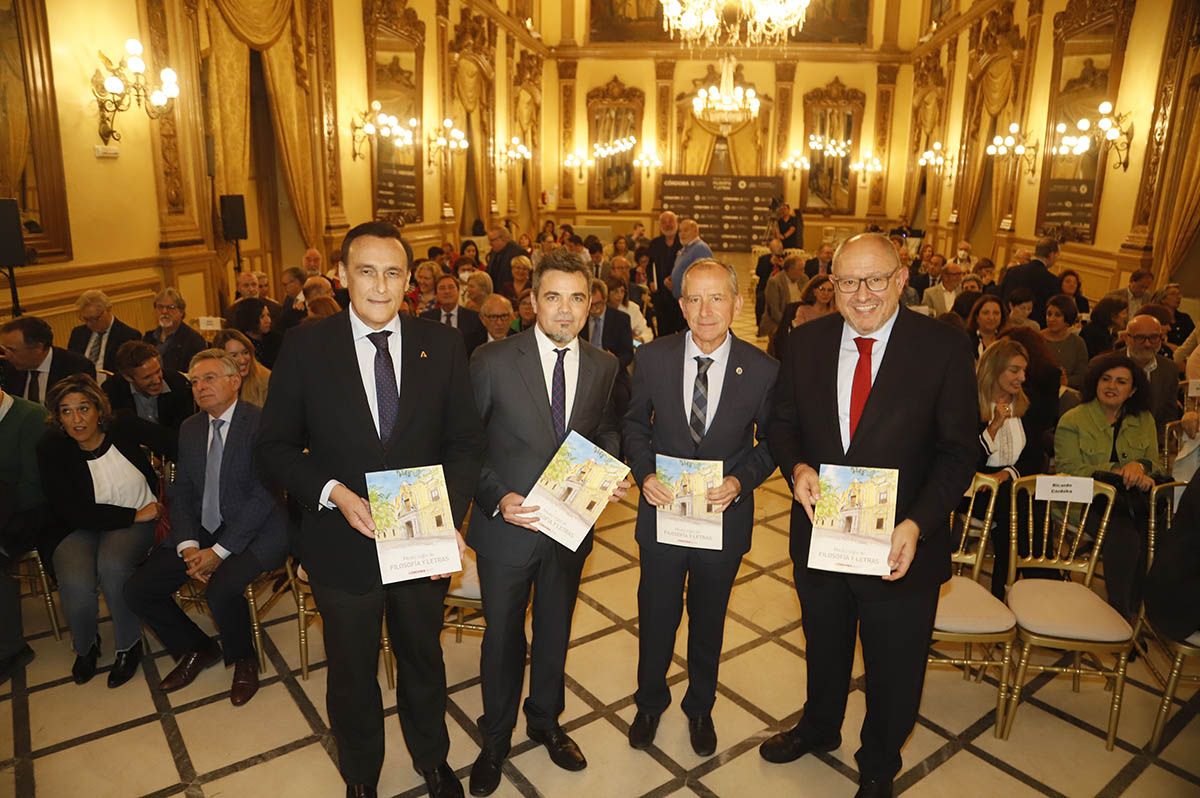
967,612
1162,511
1064,616
192,594
40,585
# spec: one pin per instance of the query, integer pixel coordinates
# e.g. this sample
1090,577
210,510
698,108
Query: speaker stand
237,253
12,287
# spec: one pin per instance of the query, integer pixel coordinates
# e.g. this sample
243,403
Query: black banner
734,212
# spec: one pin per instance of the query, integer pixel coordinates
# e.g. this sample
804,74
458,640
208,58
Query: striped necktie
699,414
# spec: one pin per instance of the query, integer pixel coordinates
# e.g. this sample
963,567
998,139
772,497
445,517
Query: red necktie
862,382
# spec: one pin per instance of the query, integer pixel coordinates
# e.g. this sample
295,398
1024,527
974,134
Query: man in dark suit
177,343
1173,586
531,390
734,383
497,315
612,331
764,269
368,390
883,387
1144,335
822,263
226,529
1036,277
101,334
294,309
499,259
142,388
663,249
30,363
452,314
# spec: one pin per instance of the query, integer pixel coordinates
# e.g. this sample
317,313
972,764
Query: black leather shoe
703,734
642,730
442,783
790,745
562,749
85,666
872,788
360,791
13,663
126,665
485,773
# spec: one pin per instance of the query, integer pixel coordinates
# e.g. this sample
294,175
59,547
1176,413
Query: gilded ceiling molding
835,93
616,91
397,17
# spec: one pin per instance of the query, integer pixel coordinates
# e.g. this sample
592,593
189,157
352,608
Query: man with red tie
875,386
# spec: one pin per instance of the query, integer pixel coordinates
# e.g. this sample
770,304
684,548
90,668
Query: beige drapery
470,94
14,133
276,29
1178,221
702,138
994,89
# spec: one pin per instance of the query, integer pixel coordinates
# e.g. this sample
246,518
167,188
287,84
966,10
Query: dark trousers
554,572
149,594
1124,552
664,570
12,632
895,635
352,624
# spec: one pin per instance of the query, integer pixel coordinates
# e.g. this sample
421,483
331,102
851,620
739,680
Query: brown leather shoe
245,681
189,668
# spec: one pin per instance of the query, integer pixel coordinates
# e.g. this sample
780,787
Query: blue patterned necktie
210,503
386,396
699,414
558,397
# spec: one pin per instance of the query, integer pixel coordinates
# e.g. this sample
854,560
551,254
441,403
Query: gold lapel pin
423,353
738,370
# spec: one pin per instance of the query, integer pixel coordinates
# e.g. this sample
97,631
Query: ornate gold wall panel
885,93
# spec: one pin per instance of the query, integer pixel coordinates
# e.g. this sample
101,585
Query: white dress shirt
549,358
848,359
1005,448
716,375
364,351
442,317
227,417
6,403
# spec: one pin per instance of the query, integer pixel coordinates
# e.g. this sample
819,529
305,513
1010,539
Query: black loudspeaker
233,217
12,241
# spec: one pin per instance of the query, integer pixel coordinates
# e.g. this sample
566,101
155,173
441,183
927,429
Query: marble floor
60,740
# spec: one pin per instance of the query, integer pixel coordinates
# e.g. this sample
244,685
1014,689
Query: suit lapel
585,384
344,372
235,428
529,366
826,387
674,409
888,382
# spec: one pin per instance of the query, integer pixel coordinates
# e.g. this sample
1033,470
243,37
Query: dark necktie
33,388
699,412
93,353
448,319
387,398
861,387
558,397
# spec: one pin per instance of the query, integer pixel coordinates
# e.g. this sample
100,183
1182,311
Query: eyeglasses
157,306
1146,339
875,282
498,316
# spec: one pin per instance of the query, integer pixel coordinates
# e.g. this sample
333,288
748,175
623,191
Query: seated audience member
1143,338
953,320
435,255
1113,433
1137,292
618,300
1068,398
1070,284
1162,314
525,243
264,286
477,288
176,341
618,248
312,262
30,363
468,250
612,331
939,298
521,271
985,271
767,265
321,307
101,334
595,253
1173,585
143,388
100,485
293,299
226,529
526,315
965,300
452,314
1107,320
23,516
925,253
247,286
1181,325
317,286
1043,377
816,300
252,318
822,263
1020,306
985,321
969,285
422,294
1069,349
497,317
547,243
620,268
1008,449
255,376
784,288
928,275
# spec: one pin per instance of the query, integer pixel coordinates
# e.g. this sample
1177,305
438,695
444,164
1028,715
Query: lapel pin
738,370
423,353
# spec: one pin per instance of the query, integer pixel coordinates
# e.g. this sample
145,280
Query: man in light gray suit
531,389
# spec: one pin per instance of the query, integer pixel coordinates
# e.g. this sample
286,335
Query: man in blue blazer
226,529
735,381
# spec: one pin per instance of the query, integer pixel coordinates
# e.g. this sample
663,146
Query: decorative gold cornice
836,93
616,92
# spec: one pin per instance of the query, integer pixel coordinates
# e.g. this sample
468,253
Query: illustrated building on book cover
689,481
581,486
857,501
409,504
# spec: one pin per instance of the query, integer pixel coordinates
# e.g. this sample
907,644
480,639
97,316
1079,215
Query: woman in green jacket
1113,431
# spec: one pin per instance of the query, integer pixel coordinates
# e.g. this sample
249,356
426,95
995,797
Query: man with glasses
896,391
294,308
1144,337
499,260
176,342
101,334
940,298
30,363
497,316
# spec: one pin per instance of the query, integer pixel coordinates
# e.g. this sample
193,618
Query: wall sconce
866,165
576,161
1110,130
446,140
517,151
834,148
647,162
794,164
374,123
1019,146
126,83
932,157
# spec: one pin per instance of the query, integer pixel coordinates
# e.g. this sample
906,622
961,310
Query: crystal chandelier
726,105
752,23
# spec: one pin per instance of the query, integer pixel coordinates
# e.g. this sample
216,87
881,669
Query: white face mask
964,254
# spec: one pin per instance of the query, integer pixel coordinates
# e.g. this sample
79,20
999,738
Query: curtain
14,132
993,96
697,148
743,149
1178,221
257,23
229,107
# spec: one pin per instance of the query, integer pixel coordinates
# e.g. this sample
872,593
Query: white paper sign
574,490
209,323
1062,488
688,520
414,531
1193,388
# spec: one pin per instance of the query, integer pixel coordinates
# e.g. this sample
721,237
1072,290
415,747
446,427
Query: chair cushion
1193,639
1066,609
967,607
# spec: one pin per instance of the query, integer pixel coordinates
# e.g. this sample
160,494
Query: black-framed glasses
875,282
165,307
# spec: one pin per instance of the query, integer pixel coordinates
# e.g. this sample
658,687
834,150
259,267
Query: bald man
691,250
663,248
497,316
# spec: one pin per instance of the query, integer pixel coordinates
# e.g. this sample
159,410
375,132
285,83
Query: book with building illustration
414,530
853,520
574,489
690,519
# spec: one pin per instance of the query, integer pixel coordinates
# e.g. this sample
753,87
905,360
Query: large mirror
1089,45
833,128
31,168
615,137
395,55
